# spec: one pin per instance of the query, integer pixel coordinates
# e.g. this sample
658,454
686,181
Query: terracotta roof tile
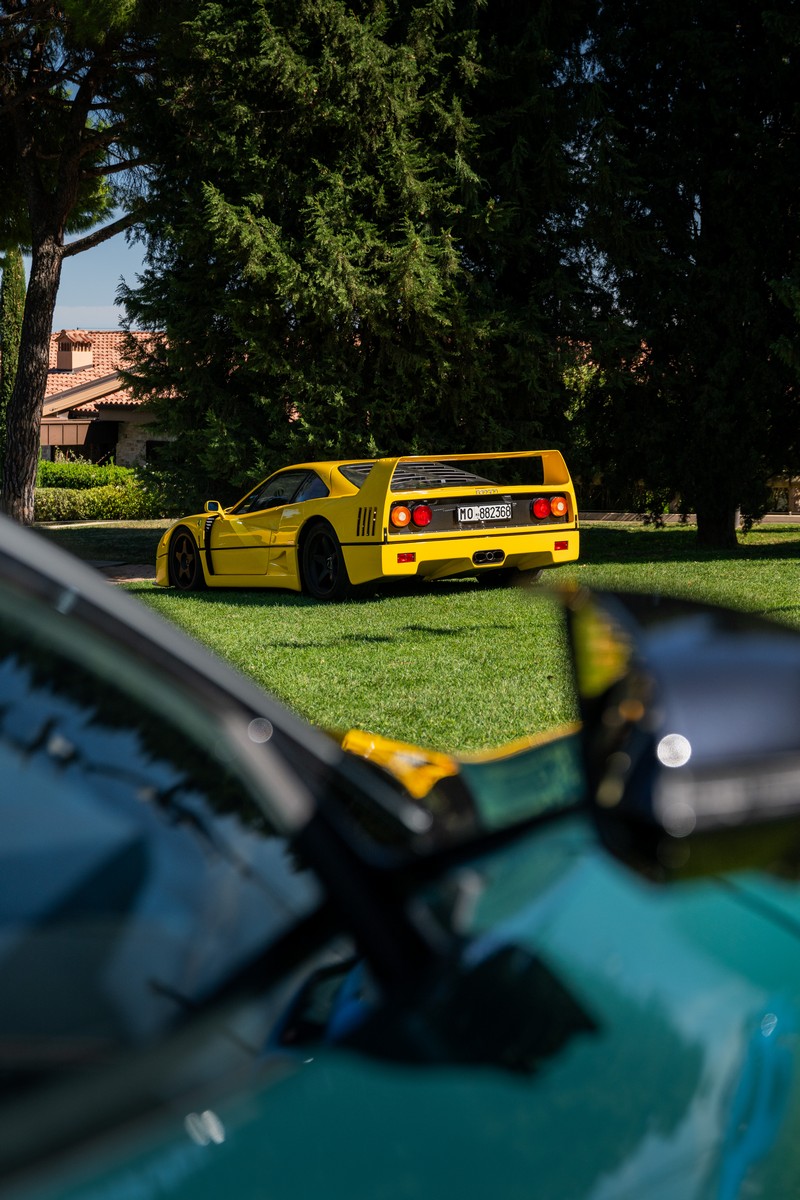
107,358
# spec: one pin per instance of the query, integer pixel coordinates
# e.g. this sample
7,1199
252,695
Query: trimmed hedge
110,503
81,474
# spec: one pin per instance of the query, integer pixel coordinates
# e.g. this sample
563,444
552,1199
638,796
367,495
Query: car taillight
541,508
422,514
558,506
400,516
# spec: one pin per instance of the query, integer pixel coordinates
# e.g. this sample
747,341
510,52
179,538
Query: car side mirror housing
691,736
212,506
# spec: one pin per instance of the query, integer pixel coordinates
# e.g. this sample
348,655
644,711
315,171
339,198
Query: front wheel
185,568
324,571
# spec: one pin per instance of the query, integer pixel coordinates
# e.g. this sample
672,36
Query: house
87,410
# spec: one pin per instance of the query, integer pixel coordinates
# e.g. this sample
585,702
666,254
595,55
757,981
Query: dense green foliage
79,473
109,502
692,160
356,231
78,490
12,304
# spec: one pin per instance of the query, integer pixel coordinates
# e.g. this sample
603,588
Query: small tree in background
12,305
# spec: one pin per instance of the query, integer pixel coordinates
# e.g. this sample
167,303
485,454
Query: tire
185,568
324,571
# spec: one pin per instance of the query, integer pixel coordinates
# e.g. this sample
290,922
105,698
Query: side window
138,872
312,489
279,489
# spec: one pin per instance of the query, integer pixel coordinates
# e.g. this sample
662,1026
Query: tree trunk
716,526
24,416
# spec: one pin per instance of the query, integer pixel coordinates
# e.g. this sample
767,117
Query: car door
283,559
240,539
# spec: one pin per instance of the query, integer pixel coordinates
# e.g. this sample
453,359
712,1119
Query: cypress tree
12,305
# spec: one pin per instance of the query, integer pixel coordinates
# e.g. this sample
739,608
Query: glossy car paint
263,548
677,1079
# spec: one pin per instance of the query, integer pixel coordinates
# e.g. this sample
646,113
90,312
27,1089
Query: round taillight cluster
549,506
419,515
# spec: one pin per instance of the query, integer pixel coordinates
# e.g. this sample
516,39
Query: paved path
120,572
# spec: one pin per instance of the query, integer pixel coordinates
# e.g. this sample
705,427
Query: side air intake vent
367,521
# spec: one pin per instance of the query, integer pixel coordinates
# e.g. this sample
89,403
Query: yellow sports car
327,527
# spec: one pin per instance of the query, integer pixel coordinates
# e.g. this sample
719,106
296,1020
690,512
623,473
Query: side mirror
212,506
691,734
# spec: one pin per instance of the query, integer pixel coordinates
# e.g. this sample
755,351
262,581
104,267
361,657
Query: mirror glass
690,718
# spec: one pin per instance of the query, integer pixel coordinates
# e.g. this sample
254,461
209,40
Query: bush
79,473
109,503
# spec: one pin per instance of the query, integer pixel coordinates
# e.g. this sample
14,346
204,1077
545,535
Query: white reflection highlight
259,730
204,1128
674,750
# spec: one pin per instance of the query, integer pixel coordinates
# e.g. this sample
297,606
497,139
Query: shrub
79,473
109,503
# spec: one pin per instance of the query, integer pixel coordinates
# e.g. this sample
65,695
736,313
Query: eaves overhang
85,393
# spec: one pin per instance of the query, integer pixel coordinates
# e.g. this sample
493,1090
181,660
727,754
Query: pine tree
12,304
335,255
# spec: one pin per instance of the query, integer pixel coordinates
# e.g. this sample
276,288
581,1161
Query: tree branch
99,236
114,168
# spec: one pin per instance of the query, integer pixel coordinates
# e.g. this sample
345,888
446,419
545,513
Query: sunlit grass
451,665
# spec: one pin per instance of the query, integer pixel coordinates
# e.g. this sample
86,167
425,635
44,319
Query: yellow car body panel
259,541
419,769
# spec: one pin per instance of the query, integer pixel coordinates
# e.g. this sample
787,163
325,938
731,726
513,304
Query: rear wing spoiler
554,468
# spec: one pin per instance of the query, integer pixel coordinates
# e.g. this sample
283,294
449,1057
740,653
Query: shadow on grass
679,544
283,598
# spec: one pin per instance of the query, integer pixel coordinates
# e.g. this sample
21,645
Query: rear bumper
442,557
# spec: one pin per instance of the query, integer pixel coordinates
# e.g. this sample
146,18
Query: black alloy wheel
324,571
185,568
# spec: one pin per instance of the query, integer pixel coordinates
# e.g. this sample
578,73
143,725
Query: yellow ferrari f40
327,527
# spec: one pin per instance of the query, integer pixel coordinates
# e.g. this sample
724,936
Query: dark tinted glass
136,872
312,488
279,489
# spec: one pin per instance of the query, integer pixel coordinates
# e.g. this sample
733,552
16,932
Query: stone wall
132,439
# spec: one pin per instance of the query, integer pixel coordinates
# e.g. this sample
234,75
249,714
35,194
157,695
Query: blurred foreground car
237,961
326,527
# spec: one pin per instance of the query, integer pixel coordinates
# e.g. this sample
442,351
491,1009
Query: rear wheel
185,568
324,571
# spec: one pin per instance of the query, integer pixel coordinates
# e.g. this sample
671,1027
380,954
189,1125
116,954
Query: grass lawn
449,665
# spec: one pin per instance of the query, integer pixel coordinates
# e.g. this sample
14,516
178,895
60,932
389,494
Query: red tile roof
107,351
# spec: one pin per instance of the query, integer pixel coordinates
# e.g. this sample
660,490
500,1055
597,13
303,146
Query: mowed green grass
452,665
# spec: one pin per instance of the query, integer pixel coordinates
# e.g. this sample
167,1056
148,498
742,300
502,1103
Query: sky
89,281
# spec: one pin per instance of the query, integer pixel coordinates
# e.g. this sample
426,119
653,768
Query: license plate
484,512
